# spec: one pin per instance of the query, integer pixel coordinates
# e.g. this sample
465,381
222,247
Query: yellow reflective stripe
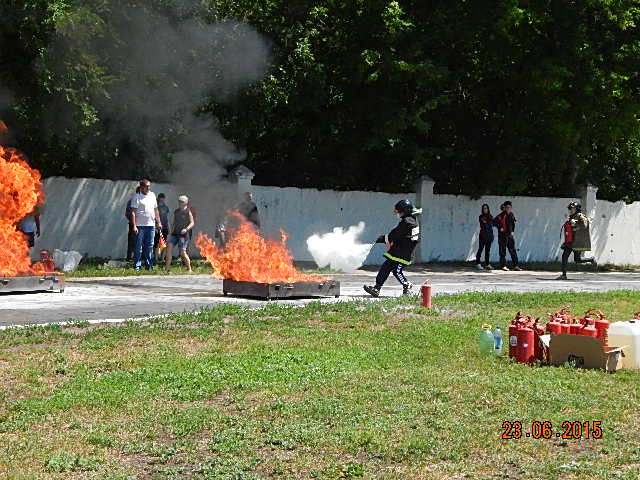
396,259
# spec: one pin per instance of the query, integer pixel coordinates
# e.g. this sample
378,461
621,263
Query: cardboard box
583,352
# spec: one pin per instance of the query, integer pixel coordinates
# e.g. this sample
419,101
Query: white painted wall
87,215
615,232
303,212
450,226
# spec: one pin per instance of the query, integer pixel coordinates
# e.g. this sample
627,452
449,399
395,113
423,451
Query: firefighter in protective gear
576,238
401,241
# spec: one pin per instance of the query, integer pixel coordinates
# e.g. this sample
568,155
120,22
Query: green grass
95,267
383,390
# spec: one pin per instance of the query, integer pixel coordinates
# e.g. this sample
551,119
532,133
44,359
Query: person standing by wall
576,238
145,218
183,223
506,223
485,237
131,236
30,227
249,210
163,210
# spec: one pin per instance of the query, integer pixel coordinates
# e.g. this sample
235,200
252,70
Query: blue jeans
182,242
144,247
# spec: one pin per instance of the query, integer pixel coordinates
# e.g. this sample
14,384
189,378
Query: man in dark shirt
505,221
183,223
249,210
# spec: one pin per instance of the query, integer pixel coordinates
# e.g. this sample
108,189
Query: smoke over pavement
339,249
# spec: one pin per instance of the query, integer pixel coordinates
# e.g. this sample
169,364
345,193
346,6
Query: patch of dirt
191,346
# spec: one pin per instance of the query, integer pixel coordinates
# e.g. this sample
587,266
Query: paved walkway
129,297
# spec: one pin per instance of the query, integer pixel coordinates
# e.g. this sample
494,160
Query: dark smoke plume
167,67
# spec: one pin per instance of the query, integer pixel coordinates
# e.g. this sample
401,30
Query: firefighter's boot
406,289
373,291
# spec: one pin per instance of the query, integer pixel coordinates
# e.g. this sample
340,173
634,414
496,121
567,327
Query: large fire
249,257
20,193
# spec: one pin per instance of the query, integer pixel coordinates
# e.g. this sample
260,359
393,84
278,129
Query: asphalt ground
117,299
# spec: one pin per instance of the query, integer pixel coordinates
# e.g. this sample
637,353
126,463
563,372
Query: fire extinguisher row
525,332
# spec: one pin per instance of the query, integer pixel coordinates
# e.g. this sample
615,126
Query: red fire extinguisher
538,331
513,334
426,294
524,351
602,326
522,339
588,330
568,232
575,327
47,261
554,326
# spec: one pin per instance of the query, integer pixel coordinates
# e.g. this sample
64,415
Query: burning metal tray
35,283
328,288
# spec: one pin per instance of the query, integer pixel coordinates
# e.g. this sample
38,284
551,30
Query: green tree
511,97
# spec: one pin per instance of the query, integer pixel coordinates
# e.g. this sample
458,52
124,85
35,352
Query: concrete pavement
136,297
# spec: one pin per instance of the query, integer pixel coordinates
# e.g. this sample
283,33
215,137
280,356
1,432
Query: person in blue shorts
182,224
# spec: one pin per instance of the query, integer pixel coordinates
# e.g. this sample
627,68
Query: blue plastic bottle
497,341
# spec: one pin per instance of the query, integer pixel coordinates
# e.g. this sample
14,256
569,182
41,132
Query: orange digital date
569,431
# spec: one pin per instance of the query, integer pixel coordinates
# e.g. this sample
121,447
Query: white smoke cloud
340,249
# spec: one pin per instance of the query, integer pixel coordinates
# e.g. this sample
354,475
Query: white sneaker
478,266
488,267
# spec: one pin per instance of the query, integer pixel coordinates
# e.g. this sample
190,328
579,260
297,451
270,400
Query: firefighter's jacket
404,238
581,232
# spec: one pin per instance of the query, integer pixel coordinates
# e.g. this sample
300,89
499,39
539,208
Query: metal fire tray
36,283
328,288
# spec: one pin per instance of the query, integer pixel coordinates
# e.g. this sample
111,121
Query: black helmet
405,207
575,205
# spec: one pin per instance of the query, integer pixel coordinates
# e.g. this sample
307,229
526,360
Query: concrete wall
450,225
615,233
87,215
303,212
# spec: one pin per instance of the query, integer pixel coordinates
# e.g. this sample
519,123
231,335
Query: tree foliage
512,96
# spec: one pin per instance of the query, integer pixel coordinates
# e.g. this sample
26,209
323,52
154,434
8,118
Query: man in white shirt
144,219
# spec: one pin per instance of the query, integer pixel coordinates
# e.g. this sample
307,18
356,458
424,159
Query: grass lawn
93,267
96,268
381,390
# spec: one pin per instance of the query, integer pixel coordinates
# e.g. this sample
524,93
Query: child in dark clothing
485,238
402,241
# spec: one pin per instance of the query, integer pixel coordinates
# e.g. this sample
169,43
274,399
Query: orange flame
20,193
248,257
